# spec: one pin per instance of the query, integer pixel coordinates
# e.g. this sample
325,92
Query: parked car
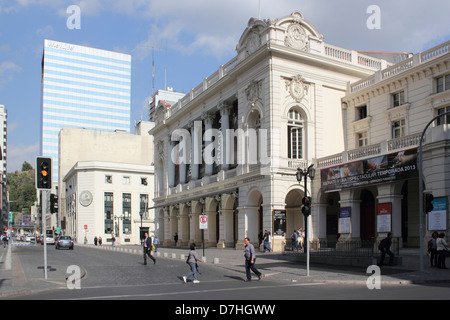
64,242
50,240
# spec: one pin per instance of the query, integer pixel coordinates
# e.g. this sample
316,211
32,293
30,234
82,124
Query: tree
21,188
26,167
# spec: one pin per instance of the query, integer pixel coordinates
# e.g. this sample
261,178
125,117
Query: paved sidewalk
16,280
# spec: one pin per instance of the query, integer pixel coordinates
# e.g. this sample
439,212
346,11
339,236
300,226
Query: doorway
367,215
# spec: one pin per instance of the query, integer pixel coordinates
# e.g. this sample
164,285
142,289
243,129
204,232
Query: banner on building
384,217
381,169
279,222
344,220
437,219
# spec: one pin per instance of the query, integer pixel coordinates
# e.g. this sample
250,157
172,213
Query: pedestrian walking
301,238
113,240
294,240
175,238
385,248
95,241
99,241
432,249
147,248
250,258
192,262
267,241
441,249
156,243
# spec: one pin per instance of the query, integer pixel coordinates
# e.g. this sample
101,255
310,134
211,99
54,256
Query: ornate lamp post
306,202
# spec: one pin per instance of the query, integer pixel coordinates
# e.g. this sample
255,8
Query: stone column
225,145
208,120
196,146
171,163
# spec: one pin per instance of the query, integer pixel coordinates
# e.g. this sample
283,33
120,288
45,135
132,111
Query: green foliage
21,188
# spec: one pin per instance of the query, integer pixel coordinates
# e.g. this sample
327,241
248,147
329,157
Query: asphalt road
111,275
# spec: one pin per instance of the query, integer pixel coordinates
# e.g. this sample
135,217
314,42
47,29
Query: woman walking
192,261
441,248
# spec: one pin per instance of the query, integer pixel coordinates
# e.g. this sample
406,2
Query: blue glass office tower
82,87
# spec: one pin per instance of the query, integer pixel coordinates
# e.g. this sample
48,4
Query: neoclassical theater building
229,149
372,187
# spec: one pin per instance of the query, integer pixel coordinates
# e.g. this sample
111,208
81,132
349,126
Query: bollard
216,261
174,255
204,259
166,254
182,256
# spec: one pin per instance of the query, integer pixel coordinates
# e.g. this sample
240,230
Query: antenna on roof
259,9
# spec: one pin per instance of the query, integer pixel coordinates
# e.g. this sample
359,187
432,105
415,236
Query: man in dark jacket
148,249
384,247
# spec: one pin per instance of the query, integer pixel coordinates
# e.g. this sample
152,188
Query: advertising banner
381,169
384,217
279,222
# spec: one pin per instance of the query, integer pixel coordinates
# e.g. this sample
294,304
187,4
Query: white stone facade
105,198
385,114
277,105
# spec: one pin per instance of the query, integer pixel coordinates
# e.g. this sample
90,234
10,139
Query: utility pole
421,209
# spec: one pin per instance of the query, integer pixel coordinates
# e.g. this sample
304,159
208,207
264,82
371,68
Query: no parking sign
203,222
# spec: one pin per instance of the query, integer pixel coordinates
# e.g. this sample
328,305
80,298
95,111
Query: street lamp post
141,213
306,201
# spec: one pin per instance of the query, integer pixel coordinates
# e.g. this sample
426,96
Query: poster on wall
279,222
437,219
344,220
384,217
380,169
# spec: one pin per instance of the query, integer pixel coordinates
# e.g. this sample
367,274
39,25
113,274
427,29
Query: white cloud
7,71
18,154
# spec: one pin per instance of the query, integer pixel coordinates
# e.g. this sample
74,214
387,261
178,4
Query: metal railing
344,248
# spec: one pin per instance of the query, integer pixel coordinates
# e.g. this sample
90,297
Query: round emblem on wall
85,198
297,88
296,37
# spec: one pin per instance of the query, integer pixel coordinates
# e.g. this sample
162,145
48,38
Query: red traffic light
306,201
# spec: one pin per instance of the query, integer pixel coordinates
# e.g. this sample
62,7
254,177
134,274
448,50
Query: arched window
295,134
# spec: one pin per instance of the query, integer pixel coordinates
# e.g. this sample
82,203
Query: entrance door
367,215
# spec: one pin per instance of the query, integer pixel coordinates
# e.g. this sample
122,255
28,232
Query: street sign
203,222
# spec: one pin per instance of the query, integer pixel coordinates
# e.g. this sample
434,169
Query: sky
187,40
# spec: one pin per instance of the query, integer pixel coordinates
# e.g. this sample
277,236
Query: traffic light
53,203
306,202
43,173
428,202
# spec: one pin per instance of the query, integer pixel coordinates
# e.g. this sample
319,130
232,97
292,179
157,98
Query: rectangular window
126,180
362,139
143,205
361,112
398,99
443,83
109,212
295,143
126,211
108,179
398,129
444,119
